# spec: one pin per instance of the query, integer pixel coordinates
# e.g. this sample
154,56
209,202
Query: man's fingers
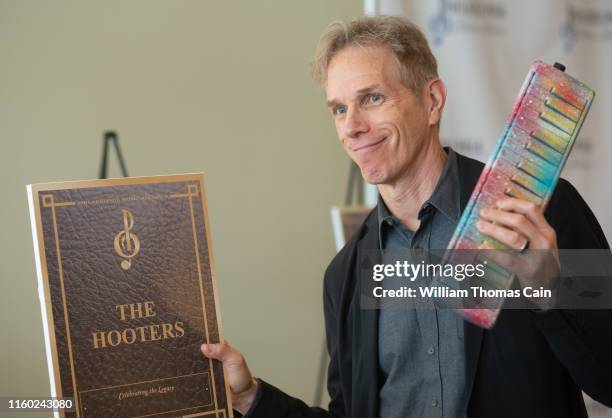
525,218
502,234
242,385
530,210
223,352
211,351
515,221
233,361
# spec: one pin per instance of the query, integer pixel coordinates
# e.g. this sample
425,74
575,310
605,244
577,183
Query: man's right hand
242,385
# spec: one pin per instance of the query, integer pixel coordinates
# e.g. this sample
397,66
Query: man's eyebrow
331,103
360,92
368,89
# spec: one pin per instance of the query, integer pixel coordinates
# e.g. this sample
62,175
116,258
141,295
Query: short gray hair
403,38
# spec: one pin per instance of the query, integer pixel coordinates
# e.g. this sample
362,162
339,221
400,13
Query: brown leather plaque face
127,278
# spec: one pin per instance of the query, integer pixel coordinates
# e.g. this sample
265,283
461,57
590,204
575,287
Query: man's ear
436,94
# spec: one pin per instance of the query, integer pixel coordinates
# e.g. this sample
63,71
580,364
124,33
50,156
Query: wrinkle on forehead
356,67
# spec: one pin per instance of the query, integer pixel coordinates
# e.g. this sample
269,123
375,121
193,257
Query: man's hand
520,224
242,385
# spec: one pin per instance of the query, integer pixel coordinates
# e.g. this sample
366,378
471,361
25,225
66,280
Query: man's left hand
519,224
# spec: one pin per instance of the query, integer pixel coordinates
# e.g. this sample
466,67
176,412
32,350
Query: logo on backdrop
466,15
585,23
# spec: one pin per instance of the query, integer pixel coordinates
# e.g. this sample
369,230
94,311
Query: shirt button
434,403
430,351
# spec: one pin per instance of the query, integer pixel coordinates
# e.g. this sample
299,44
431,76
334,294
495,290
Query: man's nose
355,123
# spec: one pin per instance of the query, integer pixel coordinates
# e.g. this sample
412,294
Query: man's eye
339,110
373,98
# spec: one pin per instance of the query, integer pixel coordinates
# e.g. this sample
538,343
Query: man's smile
369,147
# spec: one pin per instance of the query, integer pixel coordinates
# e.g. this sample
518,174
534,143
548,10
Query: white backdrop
484,49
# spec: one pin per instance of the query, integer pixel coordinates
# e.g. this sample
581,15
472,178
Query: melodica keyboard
526,163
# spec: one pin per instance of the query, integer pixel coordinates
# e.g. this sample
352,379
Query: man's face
382,125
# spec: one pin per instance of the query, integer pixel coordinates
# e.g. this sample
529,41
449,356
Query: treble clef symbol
127,243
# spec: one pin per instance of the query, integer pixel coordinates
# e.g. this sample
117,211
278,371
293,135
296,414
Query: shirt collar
445,197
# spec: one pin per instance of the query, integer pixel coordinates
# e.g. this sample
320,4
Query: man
386,99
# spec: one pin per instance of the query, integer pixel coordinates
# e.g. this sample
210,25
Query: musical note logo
127,243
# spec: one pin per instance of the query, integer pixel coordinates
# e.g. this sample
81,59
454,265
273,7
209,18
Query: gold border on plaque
192,191
49,201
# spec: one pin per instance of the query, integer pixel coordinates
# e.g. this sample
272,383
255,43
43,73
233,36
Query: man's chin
373,176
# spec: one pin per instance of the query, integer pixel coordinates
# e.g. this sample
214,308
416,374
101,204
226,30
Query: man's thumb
219,351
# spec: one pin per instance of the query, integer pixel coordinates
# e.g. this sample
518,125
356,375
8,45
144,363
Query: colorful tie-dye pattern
527,161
